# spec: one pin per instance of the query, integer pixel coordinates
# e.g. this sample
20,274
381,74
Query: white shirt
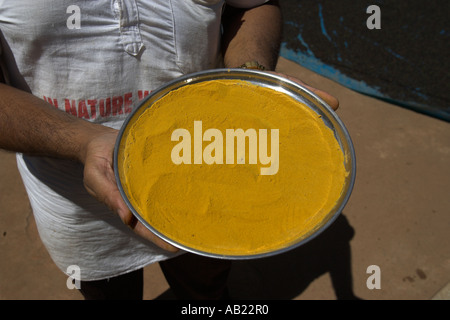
97,60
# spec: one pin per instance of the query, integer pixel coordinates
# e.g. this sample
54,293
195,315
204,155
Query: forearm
252,35
31,126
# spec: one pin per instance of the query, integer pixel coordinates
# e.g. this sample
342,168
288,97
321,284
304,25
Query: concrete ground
397,219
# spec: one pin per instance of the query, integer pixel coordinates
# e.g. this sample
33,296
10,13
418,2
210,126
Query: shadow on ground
287,275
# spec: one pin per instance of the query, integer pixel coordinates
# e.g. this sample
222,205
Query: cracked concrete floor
397,218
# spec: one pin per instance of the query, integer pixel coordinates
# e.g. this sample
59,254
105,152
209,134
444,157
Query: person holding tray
71,73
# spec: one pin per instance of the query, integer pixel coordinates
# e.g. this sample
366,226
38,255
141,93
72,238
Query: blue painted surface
405,63
314,64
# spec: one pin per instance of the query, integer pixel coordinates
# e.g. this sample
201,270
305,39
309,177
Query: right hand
100,182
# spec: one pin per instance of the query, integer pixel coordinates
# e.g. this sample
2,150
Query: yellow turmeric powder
226,206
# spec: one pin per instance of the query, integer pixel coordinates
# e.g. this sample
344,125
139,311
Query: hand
329,99
100,182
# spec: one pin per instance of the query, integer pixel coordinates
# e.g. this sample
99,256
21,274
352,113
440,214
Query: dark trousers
190,277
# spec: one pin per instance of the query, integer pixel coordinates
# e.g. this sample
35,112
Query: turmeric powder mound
185,177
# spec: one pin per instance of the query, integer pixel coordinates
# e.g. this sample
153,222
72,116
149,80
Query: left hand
328,98
100,182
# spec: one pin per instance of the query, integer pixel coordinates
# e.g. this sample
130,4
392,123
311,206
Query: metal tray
264,79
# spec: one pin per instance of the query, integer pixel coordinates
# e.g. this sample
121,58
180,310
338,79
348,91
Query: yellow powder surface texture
232,209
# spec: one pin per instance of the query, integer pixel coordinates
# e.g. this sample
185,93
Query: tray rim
275,80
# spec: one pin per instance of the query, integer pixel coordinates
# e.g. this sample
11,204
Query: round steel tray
264,79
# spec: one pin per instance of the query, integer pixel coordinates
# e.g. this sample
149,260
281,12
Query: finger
116,202
328,98
131,221
127,217
141,230
100,182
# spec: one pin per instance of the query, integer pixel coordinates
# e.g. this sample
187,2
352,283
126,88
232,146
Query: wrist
254,65
90,133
